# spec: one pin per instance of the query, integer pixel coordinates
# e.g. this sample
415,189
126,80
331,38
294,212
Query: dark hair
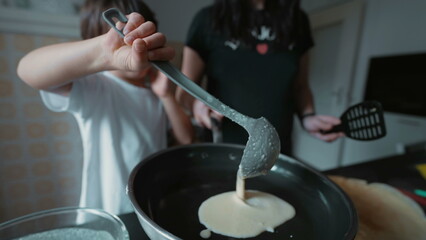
237,19
91,23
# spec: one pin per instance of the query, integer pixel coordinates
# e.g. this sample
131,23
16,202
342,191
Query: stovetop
401,171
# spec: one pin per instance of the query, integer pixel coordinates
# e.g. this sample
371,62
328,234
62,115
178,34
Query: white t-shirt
120,124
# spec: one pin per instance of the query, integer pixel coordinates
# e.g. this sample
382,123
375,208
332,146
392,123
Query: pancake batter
243,214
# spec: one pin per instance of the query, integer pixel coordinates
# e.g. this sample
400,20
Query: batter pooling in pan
243,214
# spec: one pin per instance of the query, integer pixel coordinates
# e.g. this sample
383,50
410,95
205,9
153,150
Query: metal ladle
263,145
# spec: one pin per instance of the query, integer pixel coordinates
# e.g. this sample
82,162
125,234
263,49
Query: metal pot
167,188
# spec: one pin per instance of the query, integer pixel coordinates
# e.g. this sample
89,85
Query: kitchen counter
398,171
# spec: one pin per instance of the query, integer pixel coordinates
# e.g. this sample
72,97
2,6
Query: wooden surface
384,213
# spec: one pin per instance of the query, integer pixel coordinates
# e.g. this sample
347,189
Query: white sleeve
76,101
55,102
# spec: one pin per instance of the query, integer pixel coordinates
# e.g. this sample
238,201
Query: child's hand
141,44
161,85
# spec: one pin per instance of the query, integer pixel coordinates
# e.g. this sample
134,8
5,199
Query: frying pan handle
336,128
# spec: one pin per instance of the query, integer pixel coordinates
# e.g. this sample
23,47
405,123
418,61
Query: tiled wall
40,151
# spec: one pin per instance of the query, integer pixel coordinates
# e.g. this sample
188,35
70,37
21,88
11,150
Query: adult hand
161,85
317,123
142,43
203,114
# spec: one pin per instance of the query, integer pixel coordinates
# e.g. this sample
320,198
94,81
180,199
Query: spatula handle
336,128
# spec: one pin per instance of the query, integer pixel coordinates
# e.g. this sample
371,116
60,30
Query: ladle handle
109,16
177,76
192,88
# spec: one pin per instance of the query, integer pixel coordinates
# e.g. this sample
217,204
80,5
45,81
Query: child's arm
181,123
53,66
57,65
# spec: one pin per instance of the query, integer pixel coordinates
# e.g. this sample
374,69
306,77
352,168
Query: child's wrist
103,59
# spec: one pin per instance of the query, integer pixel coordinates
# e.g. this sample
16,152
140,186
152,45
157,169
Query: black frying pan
167,188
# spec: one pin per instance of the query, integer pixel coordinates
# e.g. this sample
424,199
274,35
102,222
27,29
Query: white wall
174,16
390,27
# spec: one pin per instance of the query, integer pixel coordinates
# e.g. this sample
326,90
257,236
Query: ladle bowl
263,146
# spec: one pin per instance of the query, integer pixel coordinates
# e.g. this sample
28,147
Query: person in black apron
255,57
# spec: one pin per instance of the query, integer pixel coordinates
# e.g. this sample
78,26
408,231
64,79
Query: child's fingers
161,54
155,40
134,21
143,30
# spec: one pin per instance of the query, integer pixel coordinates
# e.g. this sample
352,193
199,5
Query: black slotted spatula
363,121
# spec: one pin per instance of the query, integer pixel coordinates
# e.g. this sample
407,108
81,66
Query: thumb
139,54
